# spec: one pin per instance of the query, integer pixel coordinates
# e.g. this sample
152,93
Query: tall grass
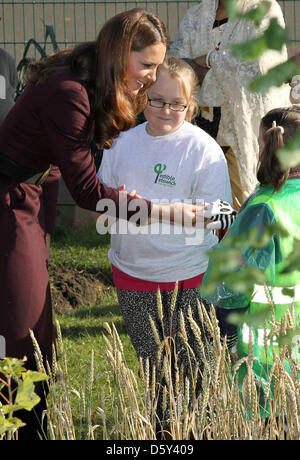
127,409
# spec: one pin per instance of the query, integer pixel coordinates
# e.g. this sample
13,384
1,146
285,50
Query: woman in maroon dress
93,91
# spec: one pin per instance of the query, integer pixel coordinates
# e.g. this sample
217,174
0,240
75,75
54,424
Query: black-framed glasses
158,104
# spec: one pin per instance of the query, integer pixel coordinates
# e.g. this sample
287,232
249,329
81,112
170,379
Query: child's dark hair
278,127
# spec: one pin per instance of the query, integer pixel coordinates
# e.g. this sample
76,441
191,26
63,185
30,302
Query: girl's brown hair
102,66
179,69
278,127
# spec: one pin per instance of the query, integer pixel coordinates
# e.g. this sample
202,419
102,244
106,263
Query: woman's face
162,121
142,66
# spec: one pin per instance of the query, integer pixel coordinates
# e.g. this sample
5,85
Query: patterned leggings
137,307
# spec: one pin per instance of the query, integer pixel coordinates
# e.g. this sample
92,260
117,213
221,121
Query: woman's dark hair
278,127
102,66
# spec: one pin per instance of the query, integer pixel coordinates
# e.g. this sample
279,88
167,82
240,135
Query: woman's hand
184,214
187,214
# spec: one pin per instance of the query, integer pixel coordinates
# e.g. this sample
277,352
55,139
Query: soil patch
71,288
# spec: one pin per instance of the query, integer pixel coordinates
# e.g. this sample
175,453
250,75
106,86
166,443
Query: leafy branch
18,392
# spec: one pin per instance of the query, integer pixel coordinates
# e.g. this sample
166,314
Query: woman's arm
65,119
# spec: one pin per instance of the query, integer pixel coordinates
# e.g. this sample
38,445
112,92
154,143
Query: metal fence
80,20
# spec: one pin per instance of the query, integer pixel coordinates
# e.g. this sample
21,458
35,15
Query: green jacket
261,209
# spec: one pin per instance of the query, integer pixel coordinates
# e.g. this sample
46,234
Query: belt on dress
22,174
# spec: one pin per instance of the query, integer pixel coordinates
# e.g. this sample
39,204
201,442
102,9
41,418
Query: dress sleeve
65,119
229,75
181,46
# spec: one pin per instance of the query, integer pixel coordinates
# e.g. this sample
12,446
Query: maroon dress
48,125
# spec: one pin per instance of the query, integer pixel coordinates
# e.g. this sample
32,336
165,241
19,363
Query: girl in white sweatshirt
165,158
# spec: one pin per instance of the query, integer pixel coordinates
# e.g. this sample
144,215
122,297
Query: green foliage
289,155
290,336
254,49
229,267
252,320
255,15
227,261
275,77
274,37
17,389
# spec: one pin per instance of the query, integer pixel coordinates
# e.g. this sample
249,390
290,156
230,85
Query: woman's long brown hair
102,66
269,169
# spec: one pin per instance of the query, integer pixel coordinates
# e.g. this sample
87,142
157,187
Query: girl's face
142,66
162,121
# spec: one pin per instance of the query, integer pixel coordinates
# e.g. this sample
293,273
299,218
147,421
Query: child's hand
187,214
132,193
179,213
220,213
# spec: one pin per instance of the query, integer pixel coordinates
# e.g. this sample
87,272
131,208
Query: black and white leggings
138,306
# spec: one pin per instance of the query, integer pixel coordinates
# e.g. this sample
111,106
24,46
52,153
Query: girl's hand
178,213
187,214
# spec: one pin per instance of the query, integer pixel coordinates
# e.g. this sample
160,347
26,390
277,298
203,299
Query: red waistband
130,283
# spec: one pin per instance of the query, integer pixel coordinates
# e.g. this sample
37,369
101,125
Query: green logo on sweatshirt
159,169
163,179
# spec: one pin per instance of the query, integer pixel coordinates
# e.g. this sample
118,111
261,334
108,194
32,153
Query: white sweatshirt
185,165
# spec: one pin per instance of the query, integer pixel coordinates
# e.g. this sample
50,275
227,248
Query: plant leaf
12,366
251,50
274,77
289,155
232,10
26,397
275,35
257,14
291,336
7,424
251,319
